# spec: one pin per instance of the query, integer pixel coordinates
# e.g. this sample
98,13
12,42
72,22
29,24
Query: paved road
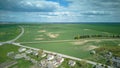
10,41
63,55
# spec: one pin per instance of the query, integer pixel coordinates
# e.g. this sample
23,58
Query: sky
59,11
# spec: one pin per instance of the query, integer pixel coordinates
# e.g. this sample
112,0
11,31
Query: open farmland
60,37
48,32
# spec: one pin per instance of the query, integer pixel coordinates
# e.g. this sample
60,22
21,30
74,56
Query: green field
65,31
8,32
60,37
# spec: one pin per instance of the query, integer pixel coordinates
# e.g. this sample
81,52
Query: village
39,58
50,60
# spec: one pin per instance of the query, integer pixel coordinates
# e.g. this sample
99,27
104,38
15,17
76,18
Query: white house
35,53
50,57
18,56
22,49
43,55
28,51
71,63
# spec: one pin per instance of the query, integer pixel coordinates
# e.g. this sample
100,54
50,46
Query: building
71,63
22,49
35,53
43,55
28,51
50,57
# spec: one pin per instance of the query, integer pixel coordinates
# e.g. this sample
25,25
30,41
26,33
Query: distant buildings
48,60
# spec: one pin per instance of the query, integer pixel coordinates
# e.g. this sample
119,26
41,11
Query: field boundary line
71,40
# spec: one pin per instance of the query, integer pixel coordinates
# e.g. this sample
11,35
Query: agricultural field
48,32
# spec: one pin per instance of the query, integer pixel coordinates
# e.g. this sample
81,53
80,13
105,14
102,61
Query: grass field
8,32
45,32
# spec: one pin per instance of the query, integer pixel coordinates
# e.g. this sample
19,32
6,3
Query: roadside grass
4,49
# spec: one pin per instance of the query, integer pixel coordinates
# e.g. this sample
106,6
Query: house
58,61
71,63
50,57
43,63
10,54
22,49
35,53
28,51
99,66
18,56
27,58
43,55
50,64
23,54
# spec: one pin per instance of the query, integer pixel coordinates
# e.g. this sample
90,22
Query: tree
40,52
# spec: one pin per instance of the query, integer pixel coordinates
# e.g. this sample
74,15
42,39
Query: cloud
54,11
96,13
29,5
102,5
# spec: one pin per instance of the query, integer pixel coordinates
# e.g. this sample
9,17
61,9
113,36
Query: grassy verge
4,49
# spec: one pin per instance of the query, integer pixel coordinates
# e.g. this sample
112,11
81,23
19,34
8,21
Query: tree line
96,36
